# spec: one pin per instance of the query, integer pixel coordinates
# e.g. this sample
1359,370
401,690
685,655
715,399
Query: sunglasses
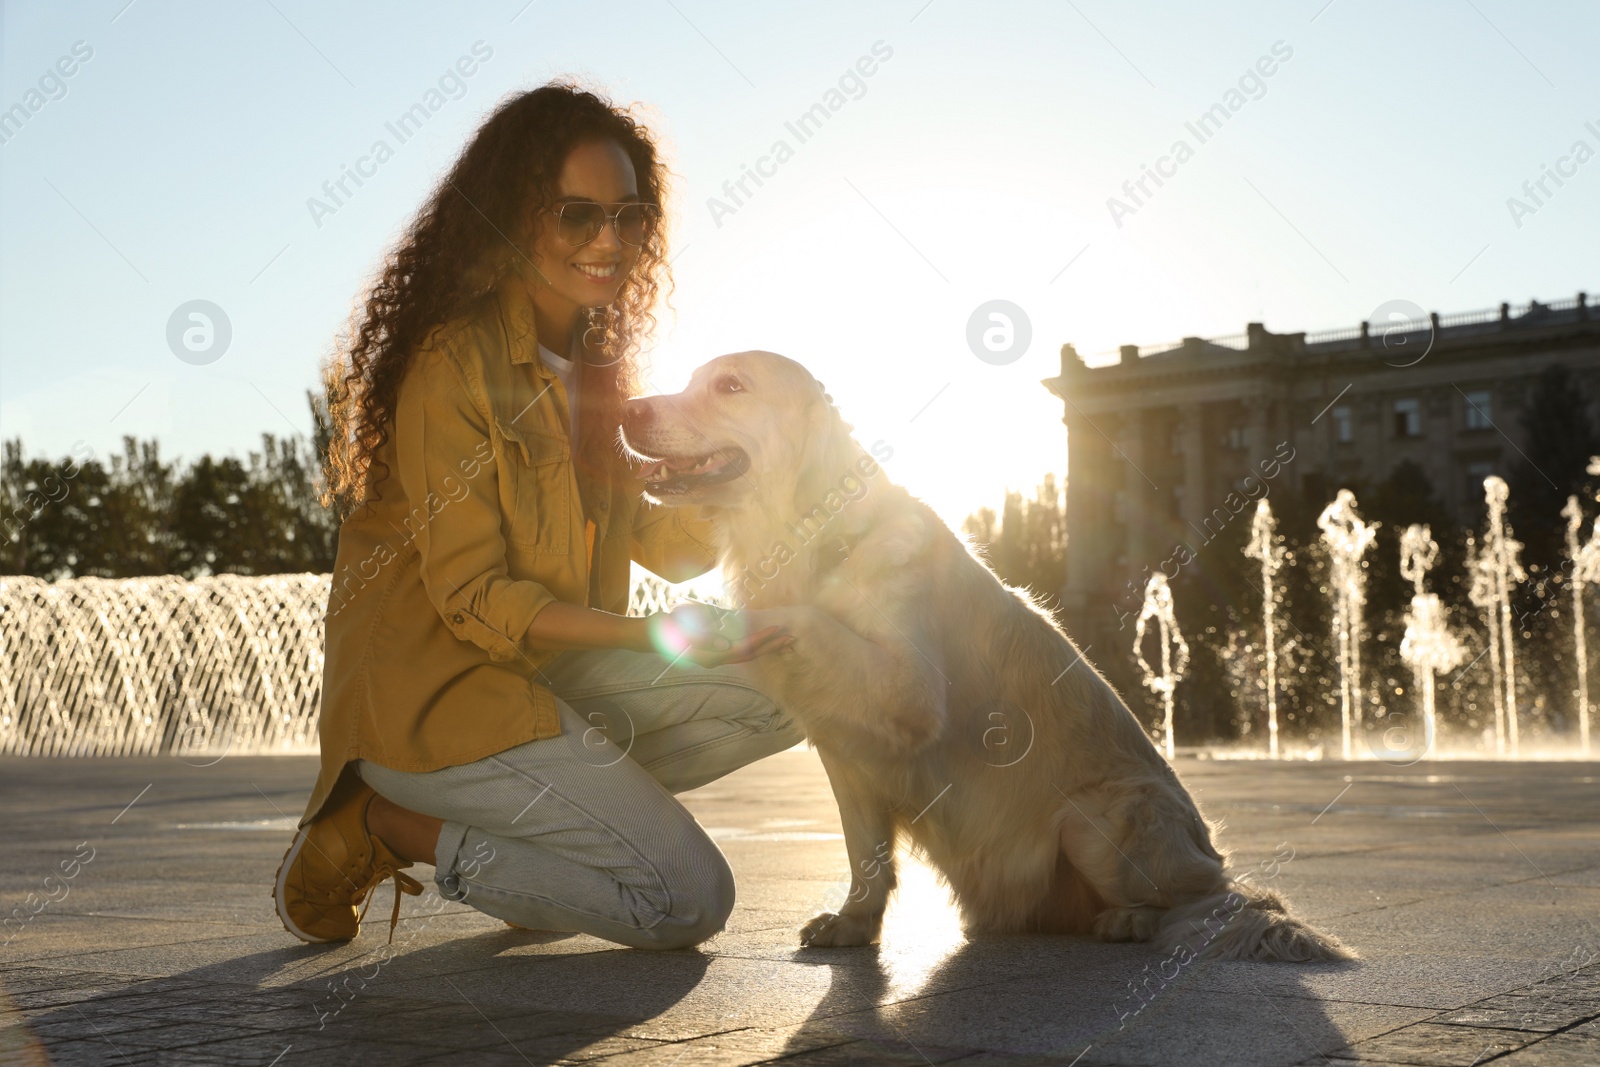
581,221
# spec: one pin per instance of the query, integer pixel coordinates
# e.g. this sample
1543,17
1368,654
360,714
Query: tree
1560,438
1028,545
142,515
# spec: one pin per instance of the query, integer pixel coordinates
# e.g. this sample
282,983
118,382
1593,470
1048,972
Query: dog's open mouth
683,474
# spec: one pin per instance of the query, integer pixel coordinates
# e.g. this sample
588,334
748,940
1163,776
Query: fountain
139,666
233,664
1495,569
1428,646
1585,559
1264,546
1347,539
1174,649
191,667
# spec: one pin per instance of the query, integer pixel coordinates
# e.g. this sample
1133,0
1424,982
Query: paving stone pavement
1470,889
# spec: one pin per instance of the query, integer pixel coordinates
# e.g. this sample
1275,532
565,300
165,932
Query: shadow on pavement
1061,998
457,997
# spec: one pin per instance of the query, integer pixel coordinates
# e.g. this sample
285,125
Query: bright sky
975,163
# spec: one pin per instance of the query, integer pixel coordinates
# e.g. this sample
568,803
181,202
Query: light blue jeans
582,832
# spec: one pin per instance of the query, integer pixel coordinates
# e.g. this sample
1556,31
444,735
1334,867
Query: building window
1314,486
1478,410
1344,424
1237,439
1407,418
1476,473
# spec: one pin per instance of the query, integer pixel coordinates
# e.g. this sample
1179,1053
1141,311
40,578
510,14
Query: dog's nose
636,414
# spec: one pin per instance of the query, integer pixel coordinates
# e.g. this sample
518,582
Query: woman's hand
710,636
700,633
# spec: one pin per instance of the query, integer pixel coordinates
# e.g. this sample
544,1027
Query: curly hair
475,229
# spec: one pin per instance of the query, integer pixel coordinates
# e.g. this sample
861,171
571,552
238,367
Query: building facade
1169,446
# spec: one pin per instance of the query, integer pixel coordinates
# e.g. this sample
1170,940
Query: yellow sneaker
332,866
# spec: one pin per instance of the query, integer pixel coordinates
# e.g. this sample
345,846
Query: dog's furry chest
843,579
844,594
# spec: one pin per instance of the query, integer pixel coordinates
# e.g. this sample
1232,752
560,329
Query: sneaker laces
403,883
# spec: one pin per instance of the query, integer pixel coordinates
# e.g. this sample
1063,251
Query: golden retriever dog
946,707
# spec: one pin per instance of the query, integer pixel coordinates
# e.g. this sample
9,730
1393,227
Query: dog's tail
1246,922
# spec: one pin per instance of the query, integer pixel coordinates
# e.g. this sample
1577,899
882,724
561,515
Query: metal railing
1510,314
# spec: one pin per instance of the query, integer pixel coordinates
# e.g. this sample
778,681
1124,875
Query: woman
487,706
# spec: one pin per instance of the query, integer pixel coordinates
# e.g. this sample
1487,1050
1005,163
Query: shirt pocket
541,476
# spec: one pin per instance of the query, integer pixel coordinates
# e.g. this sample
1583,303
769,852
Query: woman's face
591,274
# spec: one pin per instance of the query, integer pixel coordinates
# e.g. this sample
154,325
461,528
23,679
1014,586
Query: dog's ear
826,414
829,451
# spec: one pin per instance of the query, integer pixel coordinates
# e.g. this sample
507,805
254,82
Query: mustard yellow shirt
478,525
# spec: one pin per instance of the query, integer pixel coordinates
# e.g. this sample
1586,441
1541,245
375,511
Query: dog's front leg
869,842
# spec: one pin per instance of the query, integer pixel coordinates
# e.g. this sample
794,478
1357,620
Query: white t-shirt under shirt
567,371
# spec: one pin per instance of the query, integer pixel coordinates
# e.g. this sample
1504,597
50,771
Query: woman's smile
603,273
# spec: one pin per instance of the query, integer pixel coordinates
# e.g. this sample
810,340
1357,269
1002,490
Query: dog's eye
730,384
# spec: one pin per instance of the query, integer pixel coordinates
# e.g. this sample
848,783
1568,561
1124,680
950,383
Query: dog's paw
840,931
1127,924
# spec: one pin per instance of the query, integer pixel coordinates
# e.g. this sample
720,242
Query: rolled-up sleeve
447,468
675,543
